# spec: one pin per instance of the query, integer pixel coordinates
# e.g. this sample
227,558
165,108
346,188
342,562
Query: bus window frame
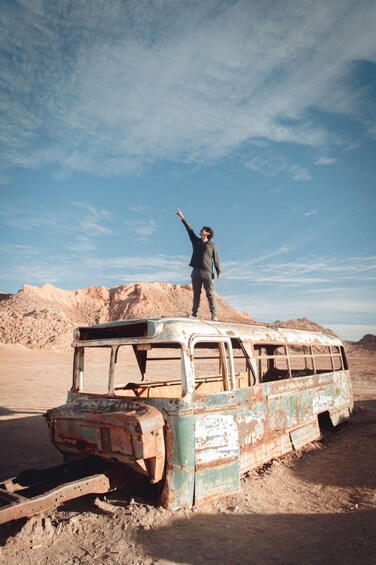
229,378
309,353
78,384
252,376
269,357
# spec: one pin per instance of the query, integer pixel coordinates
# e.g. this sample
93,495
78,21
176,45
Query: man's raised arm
191,233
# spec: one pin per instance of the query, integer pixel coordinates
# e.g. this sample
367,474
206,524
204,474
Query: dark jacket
204,255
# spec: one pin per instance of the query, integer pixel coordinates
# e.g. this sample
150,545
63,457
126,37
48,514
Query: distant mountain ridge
44,317
367,342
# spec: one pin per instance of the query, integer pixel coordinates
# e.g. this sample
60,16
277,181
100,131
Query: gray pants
201,277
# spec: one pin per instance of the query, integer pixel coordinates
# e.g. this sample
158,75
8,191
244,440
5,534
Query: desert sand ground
314,506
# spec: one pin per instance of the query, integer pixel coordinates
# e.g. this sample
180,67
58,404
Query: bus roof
174,329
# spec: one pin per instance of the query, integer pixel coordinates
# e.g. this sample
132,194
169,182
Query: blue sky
254,117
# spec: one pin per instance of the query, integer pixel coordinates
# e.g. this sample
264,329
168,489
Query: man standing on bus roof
204,258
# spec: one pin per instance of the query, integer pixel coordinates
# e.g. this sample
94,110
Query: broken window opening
211,362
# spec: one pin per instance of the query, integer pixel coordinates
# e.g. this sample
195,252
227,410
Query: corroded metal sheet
305,434
124,430
217,481
264,451
216,438
179,482
181,329
338,416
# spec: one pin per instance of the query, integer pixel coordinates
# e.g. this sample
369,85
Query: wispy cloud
314,275
92,223
264,256
276,164
142,228
159,267
82,244
17,249
140,209
304,271
92,210
310,213
109,87
89,270
93,228
325,161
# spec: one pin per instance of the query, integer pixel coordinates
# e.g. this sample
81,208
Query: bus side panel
293,405
251,416
178,486
275,417
328,392
262,428
217,466
336,396
218,481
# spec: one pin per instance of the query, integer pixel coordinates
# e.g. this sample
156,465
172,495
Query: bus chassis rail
36,491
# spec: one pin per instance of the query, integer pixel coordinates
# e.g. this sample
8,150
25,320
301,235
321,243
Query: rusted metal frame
345,362
307,355
325,356
214,339
183,377
181,358
231,363
340,359
223,367
208,357
53,498
304,356
207,379
337,355
78,370
111,373
186,370
111,342
313,360
178,327
250,353
288,360
331,358
258,359
164,359
141,357
112,368
250,368
266,344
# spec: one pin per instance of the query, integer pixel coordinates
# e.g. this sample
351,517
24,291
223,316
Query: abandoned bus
193,405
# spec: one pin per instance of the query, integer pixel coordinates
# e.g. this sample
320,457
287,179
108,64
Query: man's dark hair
210,232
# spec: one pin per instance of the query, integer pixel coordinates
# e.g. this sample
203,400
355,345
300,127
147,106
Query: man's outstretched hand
180,213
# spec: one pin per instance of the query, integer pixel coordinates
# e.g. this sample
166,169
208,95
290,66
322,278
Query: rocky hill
364,345
45,317
302,324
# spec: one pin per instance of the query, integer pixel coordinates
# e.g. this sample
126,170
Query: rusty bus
194,405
